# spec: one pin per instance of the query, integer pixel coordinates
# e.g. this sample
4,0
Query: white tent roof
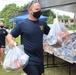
66,5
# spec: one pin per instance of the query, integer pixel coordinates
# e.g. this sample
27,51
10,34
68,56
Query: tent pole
74,22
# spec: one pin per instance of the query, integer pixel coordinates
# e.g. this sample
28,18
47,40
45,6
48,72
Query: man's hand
12,44
10,40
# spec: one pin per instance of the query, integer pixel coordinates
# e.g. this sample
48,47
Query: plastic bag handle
15,43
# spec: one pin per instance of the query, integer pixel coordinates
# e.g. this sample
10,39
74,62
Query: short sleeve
16,31
6,33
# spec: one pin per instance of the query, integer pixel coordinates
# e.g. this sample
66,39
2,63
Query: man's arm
10,40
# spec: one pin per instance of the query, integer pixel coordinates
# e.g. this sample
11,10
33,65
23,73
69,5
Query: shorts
34,69
2,45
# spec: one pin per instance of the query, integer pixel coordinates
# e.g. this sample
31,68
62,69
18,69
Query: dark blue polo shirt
32,38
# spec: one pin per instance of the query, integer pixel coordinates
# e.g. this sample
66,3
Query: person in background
3,34
31,31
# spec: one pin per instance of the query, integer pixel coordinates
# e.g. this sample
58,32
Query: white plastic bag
57,33
51,38
15,59
7,48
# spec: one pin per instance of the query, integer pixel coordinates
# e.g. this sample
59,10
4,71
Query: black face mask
37,14
1,26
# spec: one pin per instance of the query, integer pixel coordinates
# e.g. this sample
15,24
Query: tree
50,14
60,16
7,13
50,20
64,16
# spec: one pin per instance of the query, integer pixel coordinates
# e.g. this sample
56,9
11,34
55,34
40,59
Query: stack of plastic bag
73,51
15,59
58,34
67,51
48,47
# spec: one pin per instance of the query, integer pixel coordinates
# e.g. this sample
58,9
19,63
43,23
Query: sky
18,2
22,2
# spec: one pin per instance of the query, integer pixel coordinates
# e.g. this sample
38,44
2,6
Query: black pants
34,69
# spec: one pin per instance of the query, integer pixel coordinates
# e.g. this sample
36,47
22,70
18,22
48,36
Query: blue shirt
32,38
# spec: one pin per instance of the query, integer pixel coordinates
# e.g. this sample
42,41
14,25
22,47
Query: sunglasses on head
1,26
31,3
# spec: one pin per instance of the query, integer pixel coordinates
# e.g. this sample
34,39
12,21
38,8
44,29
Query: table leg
69,69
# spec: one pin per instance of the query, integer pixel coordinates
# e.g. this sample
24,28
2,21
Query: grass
72,28
3,72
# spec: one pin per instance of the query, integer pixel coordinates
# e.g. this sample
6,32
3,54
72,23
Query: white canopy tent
66,5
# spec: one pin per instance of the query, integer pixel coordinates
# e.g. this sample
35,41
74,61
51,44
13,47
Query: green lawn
3,72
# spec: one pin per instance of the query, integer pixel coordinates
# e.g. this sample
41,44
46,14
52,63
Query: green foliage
17,40
50,20
50,14
46,13
63,16
7,13
60,16
71,28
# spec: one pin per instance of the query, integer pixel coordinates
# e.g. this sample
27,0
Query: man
31,31
3,34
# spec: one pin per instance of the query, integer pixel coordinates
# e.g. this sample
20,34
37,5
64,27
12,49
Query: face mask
37,14
1,26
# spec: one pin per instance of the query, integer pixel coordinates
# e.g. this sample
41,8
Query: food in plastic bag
15,59
58,33
67,51
48,47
